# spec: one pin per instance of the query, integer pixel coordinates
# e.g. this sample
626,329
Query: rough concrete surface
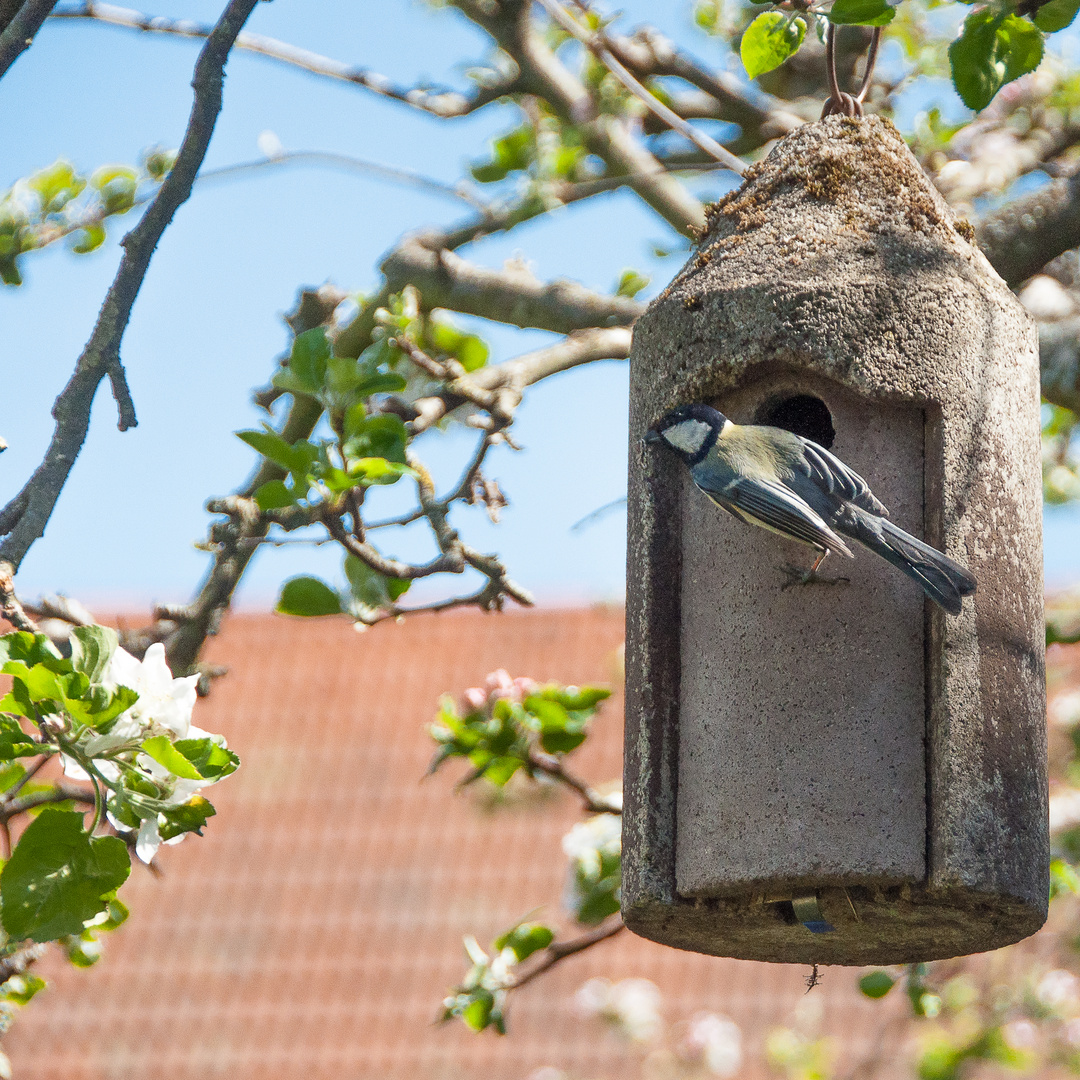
823,738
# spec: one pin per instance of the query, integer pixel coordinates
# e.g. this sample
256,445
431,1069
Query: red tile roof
315,928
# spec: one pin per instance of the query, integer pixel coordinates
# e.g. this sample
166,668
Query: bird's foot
796,576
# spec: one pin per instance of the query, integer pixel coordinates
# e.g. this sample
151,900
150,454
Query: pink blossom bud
474,699
499,684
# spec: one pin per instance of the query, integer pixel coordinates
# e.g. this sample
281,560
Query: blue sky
207,326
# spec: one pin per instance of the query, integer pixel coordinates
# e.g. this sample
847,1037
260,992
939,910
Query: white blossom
1064,809
718,1040
630,1005
1059,990
587,841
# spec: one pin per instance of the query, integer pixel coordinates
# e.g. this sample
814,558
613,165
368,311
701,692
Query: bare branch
442,103
580,347
397,175
19,33
594,802
1026,233
450,562
560,950
648,53
609,137
101,355
1059,358
599,47
10,607
512,295
19,961
56,794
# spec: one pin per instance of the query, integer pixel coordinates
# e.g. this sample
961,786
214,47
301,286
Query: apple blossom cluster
123,725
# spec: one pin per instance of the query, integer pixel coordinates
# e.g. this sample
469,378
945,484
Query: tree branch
19,33
441,103
552,765
560,950
10,608
649,53
101,355
597,44
579,347
512,295
1059,358
609,137
1025,234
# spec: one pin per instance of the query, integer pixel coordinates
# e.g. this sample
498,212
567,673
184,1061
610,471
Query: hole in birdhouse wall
802,414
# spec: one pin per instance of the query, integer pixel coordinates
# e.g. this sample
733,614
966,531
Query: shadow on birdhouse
837,771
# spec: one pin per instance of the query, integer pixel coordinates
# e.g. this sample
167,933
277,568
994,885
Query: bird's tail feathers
945,581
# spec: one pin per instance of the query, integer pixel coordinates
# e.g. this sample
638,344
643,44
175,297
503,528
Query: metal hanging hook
839,101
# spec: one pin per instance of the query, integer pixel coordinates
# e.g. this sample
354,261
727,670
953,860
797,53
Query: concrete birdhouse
835,770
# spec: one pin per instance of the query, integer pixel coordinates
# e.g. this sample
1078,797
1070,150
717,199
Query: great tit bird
772,478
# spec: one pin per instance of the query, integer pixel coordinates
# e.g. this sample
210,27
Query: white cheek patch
687,436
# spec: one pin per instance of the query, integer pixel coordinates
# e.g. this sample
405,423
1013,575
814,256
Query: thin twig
10,607
552,766
19,33
560,950
442,103
599,48
101,355
352,164
31,771
59,793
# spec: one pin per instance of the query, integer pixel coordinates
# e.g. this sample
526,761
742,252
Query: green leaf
515,150
379,383
274,495
108,174
58,878
525,939
991,51
33,648
212,761
1064,879
1056,15
307,361
861,12
188,817
469,350
308,596
14,742
92,648
381,436
477,1014
103,706
631,283
585,697
769,40
91,238
876,984
272,447
10,774
369,587
19,989
375,470
161,749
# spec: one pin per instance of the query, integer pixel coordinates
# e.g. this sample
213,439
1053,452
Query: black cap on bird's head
690,430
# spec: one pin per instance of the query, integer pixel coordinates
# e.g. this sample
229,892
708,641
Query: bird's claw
796,576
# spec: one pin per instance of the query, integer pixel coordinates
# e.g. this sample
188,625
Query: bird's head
690,431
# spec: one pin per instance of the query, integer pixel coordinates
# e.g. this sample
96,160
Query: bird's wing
833,476
775,507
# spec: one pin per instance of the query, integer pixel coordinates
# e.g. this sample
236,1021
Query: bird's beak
651,436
